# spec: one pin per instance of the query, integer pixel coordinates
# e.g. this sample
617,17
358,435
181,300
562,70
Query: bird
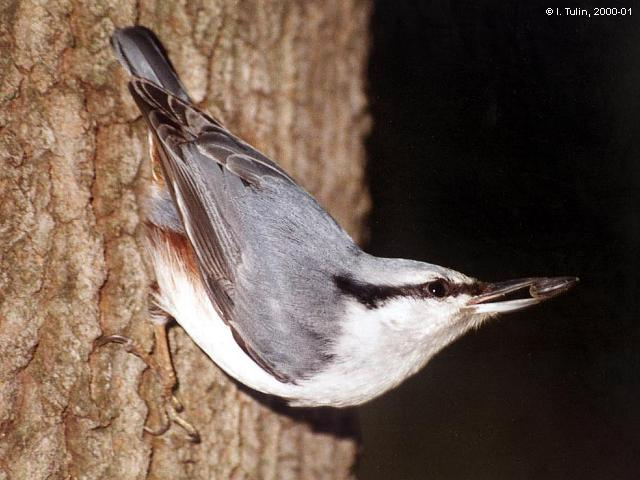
265,281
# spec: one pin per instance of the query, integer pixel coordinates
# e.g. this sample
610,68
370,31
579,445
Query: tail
141,53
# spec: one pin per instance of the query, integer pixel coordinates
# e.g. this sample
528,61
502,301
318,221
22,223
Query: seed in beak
508,296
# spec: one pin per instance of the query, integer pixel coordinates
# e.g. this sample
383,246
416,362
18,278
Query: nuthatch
266,282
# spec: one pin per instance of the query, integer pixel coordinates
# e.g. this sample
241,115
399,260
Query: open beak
517,294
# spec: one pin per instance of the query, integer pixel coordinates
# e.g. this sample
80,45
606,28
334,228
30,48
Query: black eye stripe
374,296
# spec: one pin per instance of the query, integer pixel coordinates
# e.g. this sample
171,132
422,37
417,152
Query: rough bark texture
288,77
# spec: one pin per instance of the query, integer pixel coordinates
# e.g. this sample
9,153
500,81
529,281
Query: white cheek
418,318
401,314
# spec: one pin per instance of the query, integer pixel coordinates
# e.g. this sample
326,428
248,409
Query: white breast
377,356
189,304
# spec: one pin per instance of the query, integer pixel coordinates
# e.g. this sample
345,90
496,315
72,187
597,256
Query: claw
163,370
104,339
160,430
191,431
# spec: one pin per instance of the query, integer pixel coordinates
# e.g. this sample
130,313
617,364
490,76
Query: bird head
425,299
399,313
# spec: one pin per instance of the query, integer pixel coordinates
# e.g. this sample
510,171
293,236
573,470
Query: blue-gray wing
265,248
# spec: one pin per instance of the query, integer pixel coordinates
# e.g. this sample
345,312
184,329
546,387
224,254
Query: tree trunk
288,77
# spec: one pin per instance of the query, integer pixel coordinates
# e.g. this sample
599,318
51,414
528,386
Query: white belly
189,304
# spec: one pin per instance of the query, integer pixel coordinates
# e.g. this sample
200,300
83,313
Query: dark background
506,143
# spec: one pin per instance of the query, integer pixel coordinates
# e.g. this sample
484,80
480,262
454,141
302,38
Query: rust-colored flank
177,243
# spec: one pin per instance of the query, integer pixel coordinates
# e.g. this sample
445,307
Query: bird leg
161,365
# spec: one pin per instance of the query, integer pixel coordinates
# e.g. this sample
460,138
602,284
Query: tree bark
288,77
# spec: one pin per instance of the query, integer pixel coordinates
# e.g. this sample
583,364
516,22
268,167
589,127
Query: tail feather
142,54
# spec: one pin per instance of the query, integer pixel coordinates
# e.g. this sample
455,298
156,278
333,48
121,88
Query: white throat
379,348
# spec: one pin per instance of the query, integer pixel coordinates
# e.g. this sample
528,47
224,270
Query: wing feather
256,234
181,130
265,249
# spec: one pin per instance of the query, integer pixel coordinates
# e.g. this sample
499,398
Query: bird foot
162,367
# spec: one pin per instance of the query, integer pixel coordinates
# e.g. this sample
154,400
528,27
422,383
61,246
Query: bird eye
438,288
